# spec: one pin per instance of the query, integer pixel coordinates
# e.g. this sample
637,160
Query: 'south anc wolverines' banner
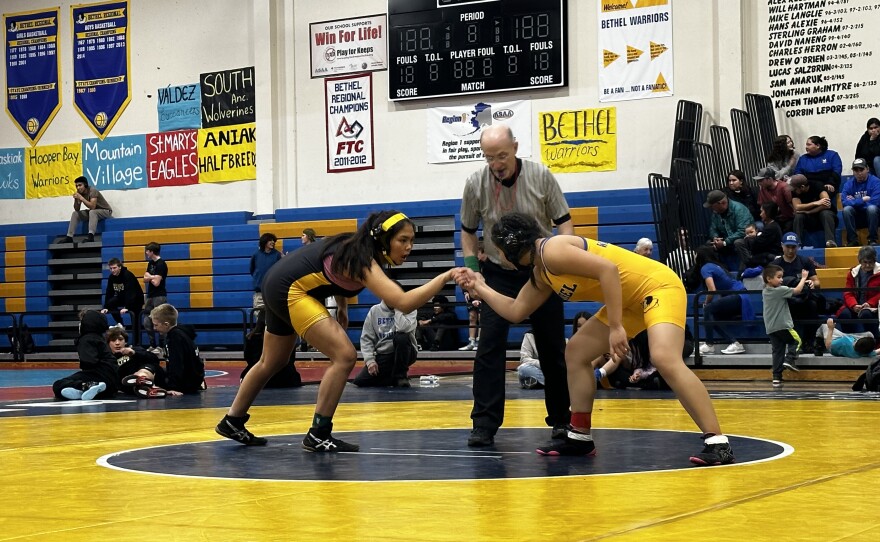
635,49
32,67
101,83
228,97
50,170
579,140
228,153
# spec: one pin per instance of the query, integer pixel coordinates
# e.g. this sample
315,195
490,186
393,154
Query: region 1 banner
179,107
579,140
635,49
228,97
32,70
349,118
348,45
50,170
173,158
101,82
116,163
227,153
11,173
454,132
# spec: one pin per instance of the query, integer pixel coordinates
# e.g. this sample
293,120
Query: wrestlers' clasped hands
467,279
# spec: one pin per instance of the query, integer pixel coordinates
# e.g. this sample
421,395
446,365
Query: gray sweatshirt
379,326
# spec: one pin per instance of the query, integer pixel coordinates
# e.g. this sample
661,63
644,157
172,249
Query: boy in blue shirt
847,345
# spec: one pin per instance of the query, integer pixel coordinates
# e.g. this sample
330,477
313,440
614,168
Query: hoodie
127,288
94,354
184,365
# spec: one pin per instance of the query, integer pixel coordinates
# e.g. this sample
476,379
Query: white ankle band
574,435
717,439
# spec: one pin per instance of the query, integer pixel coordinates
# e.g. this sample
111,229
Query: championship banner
227,153
116,163
580,140
349,118
11,173
454,132
102,87
179,107
228,97
635,49
173,158
32,67
49,171
348,45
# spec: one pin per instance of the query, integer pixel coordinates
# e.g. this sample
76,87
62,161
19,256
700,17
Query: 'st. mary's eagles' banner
102,87
32,68
635,49
579,140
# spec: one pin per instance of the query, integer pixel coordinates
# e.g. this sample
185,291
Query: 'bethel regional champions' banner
102,87
349,103
32,68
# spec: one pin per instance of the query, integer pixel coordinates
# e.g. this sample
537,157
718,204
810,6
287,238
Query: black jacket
183,364
868,150
94,354
127,288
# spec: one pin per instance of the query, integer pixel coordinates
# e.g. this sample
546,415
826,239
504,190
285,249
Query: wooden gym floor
155,470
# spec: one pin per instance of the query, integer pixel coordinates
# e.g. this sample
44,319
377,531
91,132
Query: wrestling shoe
326,443
714,454
570,446
136,380
72,393
480,436
92,389
150,392
237,432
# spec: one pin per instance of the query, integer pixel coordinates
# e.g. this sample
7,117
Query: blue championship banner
102,87
32,67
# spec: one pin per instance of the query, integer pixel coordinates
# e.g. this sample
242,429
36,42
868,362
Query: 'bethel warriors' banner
32,67
102,87
579,140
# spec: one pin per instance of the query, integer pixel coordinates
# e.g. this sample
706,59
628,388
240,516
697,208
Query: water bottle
429,381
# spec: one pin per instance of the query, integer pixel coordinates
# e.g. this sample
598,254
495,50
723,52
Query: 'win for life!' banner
32,68
102,87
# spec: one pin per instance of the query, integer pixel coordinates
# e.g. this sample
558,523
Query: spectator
845,345
763,247
308,236
96,377
859,311
777,191
184,365
438,331
156,294
819,164
737,190
261,261
287,377
122,295
681,259
751,231
731,306
138,371
473,308
868,147
644,247
778,323
388,344
782,157
861,203
97,209
727,224
529,370
806,307
813,209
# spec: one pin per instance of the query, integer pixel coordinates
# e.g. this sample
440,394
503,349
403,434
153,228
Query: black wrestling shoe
569,446
232,430
714,454
480,436
314,442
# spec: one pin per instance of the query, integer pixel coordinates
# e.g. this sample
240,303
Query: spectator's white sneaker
707,348
734,348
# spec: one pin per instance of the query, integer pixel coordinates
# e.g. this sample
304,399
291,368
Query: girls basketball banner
102,88
32,68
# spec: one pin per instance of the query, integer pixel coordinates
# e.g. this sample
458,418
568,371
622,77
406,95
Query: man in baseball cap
790,239
861,203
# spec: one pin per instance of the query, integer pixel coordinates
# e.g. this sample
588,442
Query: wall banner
228,97
227,153
579,140
179,107
635,49
349,45
454,132
32,70
50,170
11,173
116,163
102,87
349,117
173,158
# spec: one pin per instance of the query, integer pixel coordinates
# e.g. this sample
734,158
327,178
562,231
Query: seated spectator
287,377
859,311
123,294
868,147
308,236
762,248
819,164
782,157
771,188
732,306
813,210
751,231
645,247
845,345
183,364
806,307
388,344
438,331
861,203
737,190
727,223
96,209
529,370
138,371
96,377
682,257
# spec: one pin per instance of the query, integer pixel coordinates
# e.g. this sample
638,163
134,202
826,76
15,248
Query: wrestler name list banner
102,87
820,57
32,68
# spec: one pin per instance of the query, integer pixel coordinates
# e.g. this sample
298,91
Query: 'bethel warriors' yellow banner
580,140
228,153
50,170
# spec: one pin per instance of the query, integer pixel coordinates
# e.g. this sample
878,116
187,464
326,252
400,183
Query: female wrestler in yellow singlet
639,293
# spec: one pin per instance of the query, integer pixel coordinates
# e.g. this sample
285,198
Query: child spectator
138,371
529,370
97,374
185,368
846,345
778,322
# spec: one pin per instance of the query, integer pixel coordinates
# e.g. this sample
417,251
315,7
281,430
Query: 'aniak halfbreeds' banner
227,153
32,68
349,112
454,132
635,49
102,87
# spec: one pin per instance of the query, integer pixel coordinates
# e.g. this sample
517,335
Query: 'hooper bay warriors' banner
454,132
102,87
32,68
50,170
579,140
635,49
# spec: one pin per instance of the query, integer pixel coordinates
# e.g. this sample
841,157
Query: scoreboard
452,47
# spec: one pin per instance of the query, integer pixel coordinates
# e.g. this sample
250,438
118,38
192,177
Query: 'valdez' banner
179,107
102,87
454,132
32,68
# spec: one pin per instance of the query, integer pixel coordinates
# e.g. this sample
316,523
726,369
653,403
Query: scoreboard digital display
449,47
